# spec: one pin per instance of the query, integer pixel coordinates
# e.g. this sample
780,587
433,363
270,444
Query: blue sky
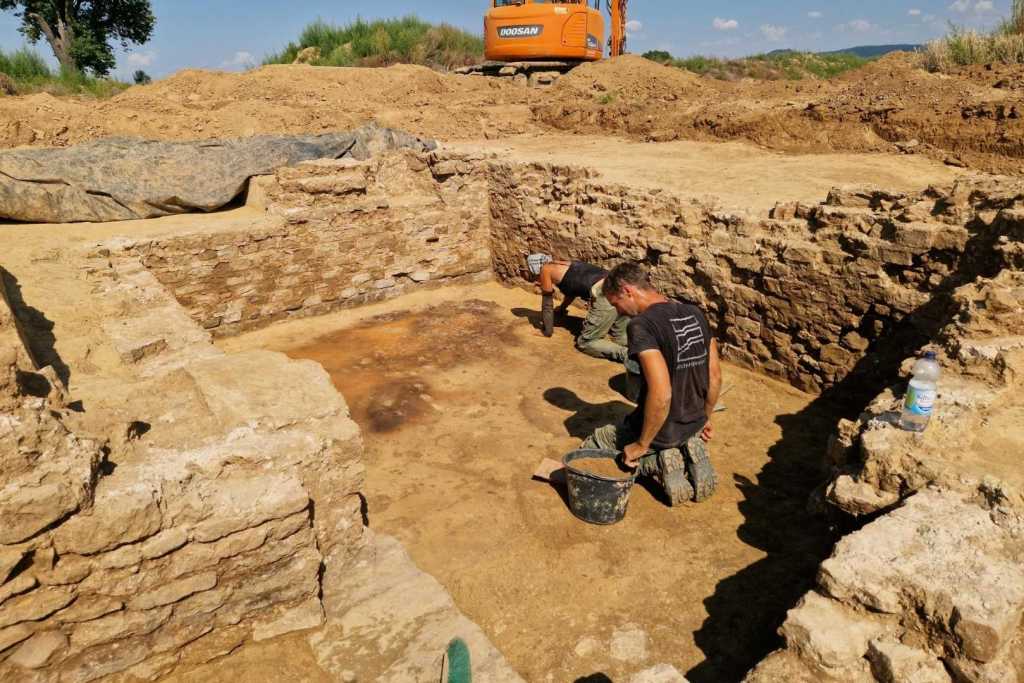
220,34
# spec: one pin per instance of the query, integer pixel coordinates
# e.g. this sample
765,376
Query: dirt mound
890,105
974,119
197,104
631,78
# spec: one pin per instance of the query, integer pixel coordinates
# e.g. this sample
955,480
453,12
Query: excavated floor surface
736,175
459,398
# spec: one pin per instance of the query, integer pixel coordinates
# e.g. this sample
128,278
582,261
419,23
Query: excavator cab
525,30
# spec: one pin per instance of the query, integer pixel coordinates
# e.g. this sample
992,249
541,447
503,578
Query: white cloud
725,24
241,60
972,6
815,14
634,25
859,25
774,33
140,59
914,12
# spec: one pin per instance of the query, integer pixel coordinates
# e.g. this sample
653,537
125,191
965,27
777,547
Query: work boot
699,468
673,477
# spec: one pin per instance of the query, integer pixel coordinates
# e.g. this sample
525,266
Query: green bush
30,73
407,40
23,65
786,65
962,47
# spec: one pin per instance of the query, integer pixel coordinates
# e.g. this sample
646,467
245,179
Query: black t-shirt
580,279
680,331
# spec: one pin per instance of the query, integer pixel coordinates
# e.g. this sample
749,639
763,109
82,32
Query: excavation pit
393,282
459,397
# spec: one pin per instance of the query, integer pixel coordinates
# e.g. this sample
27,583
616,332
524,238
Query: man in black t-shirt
604,330
666,436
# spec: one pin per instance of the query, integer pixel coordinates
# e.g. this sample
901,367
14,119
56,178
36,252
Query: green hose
457,666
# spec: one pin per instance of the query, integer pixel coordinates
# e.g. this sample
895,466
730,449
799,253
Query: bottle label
920,401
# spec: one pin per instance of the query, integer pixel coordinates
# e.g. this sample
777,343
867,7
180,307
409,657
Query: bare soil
735,175
483,398
604,467
973,118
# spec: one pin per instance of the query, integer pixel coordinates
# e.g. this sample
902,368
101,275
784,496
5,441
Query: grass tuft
408,40
785,65
963,47
29,73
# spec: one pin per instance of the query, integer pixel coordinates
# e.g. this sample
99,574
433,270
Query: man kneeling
666,436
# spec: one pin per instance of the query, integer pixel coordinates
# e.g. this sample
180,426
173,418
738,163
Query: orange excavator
535,41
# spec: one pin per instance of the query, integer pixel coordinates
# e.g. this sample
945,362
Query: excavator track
533,74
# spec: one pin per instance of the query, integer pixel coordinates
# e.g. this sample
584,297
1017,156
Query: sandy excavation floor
738,175
459,398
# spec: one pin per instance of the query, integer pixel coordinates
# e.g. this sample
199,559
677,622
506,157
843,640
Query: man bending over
604,330
666,436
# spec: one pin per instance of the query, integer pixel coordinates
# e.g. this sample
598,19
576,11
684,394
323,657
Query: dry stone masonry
178,536
339,233
803,294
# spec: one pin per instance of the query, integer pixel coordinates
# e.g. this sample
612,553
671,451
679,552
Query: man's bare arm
714,388
657,405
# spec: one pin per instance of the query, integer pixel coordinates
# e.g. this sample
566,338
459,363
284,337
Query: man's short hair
627,274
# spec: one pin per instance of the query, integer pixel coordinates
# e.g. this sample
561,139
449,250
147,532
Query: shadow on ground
568,322
37,327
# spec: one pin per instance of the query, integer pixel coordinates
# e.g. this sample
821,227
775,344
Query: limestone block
837,355
164,543
662,673
244,503
828,634
105,660
13,635
35,605
119,516
785,665
173,592
859,498
629,644
37,651
942,559
46,473
892,662
94,607
22,584
1002,670
307,615
118,626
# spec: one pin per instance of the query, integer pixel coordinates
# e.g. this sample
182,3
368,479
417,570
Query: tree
82,33
140,77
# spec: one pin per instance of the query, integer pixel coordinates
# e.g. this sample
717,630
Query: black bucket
592,497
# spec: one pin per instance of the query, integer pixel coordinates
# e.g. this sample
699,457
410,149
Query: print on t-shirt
691,350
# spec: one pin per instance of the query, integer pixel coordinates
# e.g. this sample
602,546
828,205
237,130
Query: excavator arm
617,43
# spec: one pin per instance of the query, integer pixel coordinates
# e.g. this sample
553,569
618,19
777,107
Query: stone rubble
141,553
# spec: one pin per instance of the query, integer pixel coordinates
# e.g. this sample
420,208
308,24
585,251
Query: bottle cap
929,355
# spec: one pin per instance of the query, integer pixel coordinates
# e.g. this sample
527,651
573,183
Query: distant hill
863,51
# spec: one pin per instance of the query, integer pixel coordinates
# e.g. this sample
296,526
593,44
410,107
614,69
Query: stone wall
200,518
803,294
338,234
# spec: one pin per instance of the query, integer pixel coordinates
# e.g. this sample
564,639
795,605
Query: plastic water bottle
920,400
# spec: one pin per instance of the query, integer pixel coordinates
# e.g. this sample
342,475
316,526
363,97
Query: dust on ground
970,118
708,583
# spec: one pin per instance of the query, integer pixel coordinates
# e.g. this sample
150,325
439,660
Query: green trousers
604,330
